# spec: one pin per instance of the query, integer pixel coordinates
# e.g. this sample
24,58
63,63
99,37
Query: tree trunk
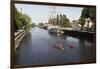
82,27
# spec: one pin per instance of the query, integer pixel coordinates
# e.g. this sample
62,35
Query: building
88,26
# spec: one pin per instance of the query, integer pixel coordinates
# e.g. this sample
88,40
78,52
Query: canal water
38,48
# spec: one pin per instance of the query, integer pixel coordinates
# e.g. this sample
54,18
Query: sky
41,13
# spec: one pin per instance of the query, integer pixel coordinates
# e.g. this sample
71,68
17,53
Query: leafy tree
41,24
85,13
25,19
89,13
65,21
21,21
17,22
33,24
61,20
82,22
57,19
92,14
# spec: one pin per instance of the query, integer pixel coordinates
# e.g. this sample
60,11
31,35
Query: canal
38,48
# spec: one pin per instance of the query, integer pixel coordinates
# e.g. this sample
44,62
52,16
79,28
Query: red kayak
71,46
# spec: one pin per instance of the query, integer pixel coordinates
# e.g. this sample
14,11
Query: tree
21,21
82,22
57,19
41,24
17,22
89,13
26,20
33,24
92,14
61,20
65,21
85,13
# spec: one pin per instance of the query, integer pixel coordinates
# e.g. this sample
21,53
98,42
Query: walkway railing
18,37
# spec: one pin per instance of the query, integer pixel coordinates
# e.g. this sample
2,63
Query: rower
72,46
59,46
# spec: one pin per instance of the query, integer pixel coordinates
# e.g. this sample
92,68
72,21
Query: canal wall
79,33
18,38
76,33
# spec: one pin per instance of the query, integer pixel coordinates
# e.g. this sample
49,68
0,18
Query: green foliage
60,20
92,13
26,19
89,13
85,13
41,24
65,21
21,20
17,21
33,24
82,22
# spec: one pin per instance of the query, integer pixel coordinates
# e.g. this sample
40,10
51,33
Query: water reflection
27,38
38,47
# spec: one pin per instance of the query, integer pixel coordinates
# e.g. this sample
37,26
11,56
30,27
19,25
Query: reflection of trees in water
57,35
53,34
87,48
88,51
63,36
86,41
17,52
27,37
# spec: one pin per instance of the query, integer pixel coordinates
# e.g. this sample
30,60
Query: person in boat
59,46
72,45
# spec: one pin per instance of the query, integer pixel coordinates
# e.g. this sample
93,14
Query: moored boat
53,29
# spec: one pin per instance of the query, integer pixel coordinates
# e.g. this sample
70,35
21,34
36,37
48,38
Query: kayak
59,46
71,46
